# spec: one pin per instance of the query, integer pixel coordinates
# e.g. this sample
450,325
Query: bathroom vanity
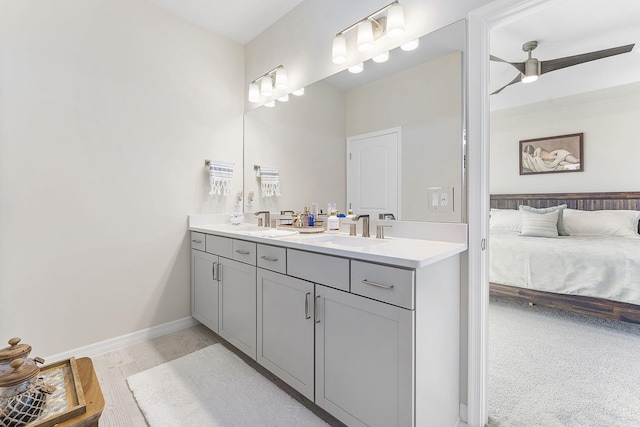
368,329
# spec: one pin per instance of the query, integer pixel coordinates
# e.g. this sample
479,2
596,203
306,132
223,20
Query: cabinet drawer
272,258
323,269
383,283
244,251
219,246
197,241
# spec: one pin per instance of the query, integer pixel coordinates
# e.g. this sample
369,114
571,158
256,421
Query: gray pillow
539,224
560,209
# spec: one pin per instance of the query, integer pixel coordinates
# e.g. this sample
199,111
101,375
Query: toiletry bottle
333,223
314,209
305,217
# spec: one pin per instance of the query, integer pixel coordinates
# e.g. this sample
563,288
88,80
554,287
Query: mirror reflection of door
372,173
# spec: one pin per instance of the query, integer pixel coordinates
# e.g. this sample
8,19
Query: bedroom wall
107,112
608,119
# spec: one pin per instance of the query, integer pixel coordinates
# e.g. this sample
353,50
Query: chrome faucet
267,217
365,224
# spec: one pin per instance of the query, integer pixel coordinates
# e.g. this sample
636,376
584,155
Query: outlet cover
440,199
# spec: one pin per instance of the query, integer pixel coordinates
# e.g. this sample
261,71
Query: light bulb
395,22
355,69
266,86
365,36
281,78
298,92
254,93
412,45
381,57
339,51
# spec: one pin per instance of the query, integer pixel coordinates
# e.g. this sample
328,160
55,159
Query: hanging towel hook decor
220,174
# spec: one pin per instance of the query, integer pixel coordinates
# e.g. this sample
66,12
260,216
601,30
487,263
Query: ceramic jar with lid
22,394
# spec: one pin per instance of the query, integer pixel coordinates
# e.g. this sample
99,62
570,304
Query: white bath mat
214,387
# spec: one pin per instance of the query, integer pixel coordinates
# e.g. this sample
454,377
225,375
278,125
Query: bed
593,270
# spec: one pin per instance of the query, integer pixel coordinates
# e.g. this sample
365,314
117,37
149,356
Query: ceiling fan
532,68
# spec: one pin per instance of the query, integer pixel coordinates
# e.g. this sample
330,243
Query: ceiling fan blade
517,65
568,61
514,81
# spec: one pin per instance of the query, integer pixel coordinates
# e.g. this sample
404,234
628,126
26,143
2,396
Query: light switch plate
440,199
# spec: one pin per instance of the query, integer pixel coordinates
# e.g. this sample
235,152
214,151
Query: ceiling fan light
339,50
395,22
531,70
365,36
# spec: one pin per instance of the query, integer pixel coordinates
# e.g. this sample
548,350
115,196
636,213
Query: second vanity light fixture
369,29
271,83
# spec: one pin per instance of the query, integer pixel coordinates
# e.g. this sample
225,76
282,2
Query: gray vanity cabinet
364,359
286,329
204,288
223,288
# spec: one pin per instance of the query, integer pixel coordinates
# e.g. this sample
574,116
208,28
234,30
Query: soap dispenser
333,223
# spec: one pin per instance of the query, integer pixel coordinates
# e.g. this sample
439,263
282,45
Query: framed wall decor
552,155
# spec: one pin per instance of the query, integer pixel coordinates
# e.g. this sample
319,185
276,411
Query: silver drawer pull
380,285
243,252
269,258
197,241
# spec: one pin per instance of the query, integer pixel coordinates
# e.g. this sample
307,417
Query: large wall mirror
419,92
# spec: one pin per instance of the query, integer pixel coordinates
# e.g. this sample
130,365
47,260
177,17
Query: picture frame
554,154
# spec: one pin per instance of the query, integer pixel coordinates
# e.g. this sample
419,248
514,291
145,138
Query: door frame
480,22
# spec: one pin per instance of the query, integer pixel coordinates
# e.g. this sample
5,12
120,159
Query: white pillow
505,219
605,222
539,224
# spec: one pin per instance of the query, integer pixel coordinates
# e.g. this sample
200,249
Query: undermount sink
270,232
342,240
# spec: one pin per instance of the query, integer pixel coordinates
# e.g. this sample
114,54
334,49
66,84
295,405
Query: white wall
107,112
608,119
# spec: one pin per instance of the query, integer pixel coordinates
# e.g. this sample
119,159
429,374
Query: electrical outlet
440,199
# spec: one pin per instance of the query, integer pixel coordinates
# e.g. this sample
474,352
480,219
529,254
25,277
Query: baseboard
463,412
117,343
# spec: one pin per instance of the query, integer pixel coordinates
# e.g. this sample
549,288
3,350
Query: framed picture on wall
552,154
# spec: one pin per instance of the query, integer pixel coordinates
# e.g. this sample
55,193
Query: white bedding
596,266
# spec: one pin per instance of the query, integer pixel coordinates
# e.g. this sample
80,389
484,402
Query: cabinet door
364,360
204,289
285,329
238,305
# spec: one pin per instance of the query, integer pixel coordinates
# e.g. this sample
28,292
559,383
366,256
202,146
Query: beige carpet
550,368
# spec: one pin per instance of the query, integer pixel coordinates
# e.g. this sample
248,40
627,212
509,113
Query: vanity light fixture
263,86
411,45
380,58
357,68
369,29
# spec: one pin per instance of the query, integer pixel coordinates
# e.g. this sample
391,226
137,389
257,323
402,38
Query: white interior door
373,168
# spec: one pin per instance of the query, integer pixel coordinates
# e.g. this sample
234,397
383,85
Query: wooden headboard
581,201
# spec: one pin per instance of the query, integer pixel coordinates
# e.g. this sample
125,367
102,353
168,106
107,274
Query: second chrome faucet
365,224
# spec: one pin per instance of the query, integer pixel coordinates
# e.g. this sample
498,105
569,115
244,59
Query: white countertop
402,252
